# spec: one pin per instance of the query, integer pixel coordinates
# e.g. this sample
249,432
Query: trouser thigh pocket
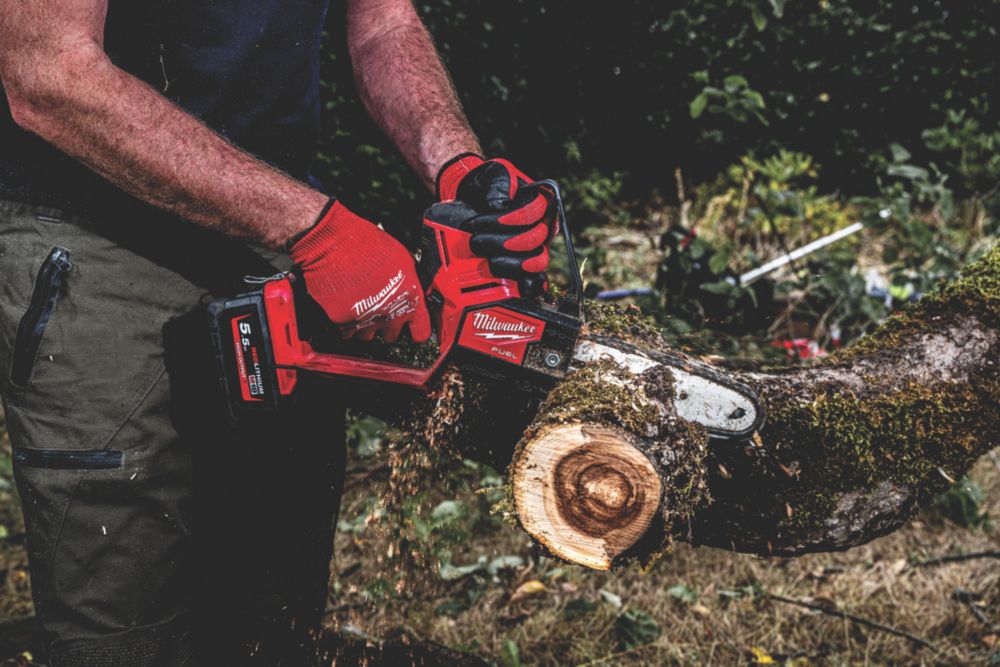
47,480
108,532
69,459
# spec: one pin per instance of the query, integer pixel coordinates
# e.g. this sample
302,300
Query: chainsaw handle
452,215
576,293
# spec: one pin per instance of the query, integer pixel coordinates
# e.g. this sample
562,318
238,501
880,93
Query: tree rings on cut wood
585,492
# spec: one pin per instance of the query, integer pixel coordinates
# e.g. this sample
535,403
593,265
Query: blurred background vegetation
694,142
627,92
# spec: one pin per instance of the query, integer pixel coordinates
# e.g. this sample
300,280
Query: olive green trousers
158,532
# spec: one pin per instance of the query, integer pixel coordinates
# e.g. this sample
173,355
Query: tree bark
608,472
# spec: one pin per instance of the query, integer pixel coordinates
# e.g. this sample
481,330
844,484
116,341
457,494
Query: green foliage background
635,88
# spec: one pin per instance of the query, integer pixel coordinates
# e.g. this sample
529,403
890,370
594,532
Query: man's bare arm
62,86
404,86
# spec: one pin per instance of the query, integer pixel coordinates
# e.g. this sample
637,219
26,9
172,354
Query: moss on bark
628,323
916,438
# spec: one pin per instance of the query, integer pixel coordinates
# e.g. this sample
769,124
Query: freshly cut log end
585,492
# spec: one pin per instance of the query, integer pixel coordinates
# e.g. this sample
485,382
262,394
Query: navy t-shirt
249,69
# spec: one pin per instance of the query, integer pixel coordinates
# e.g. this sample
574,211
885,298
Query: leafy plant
735,98
963,504
840,80
510,655
683,593
915,213
762,208
365,435
971,151
635,628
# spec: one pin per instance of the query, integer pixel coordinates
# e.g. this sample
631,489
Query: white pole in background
775,264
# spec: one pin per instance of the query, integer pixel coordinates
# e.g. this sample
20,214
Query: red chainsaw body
460,286
264,339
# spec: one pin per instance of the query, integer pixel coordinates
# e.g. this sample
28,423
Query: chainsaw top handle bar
576,294
441,249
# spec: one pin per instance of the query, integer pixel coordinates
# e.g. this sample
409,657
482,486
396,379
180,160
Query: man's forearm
404,86
129,133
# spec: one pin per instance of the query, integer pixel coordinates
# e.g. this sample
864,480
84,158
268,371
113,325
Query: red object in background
835,339
692,235
803,348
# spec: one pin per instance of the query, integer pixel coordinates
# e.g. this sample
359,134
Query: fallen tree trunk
607,471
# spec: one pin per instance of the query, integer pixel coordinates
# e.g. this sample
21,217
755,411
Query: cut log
587,493
851,448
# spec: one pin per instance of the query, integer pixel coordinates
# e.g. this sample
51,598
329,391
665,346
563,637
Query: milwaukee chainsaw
495,328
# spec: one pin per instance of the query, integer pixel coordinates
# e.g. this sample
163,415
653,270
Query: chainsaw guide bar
728,409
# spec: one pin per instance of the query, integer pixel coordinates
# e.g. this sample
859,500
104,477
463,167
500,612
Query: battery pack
243,354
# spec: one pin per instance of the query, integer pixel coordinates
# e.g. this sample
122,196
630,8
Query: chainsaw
503,330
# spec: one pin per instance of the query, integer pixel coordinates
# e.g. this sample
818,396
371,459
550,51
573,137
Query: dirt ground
706,606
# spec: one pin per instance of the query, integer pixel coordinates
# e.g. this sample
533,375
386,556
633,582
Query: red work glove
513,231
363,278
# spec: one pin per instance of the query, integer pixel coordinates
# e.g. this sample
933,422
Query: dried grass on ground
725,623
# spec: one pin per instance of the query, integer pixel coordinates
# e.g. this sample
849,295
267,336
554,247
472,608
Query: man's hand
512,229
363,278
